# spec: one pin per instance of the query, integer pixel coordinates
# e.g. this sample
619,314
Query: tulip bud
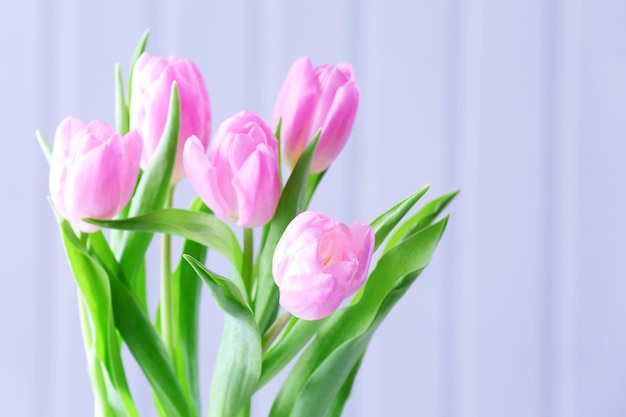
93,171
150,100
239,181
319,262
325,97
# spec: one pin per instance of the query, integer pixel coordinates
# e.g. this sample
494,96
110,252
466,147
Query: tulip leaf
141,47
295,337
292,202
93,283
121,109
152,190
335,409
140,335
385,223
422,218
200,227
45,148
313,182
148,350
238,365
329,360
187,287
106,400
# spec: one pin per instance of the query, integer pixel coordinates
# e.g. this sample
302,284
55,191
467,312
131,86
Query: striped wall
521,104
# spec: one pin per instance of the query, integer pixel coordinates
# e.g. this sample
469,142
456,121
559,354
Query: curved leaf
238,365
152,190
200,227
385,223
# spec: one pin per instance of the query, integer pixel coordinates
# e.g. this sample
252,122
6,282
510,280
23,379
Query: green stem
167,309
275,329
248,253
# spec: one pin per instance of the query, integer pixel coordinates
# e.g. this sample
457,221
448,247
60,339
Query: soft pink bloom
239,181
325,97
93,170
319,262
150,100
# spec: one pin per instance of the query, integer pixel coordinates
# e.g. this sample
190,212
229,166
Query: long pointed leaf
140,335
151,192
121,109
385,223
238,364
187,287
422,218
200,227
93,283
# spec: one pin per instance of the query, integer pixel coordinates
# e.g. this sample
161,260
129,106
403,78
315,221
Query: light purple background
522,104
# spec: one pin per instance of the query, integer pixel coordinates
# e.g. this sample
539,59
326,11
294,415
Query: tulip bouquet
308,290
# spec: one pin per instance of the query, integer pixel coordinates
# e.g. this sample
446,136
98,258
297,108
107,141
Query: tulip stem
167,287
275,329
248,252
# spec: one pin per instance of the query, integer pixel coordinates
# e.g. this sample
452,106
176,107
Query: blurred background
521,104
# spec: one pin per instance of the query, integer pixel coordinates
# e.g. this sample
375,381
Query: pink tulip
320,262
325,97
239,181
93,170
150,100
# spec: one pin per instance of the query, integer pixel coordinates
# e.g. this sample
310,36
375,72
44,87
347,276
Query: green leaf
140,335
313,181
421,219
385,223
141,47
45,148
121,109
93,283
187,286
294,338
146,346
107,403
152,190
329,359
335,409
238,365
292,202
200,227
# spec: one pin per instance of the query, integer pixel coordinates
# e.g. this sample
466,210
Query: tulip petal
258,187
363,242
203,177
296,101
337,127
311,297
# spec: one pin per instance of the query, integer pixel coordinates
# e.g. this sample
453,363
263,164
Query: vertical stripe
548,291
451,159
568,144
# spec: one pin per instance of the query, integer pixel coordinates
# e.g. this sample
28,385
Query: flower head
150,99
324,97
319,262
93,170
239,180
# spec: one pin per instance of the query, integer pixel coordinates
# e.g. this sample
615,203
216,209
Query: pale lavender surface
522,104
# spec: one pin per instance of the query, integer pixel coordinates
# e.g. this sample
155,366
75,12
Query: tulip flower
324,97
93,171
150,100
239,180
319,262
